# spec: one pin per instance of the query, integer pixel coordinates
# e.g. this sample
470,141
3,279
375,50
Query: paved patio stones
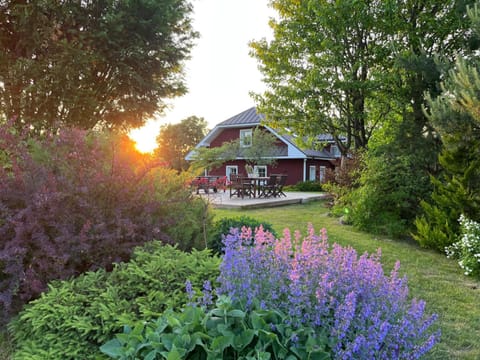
222,200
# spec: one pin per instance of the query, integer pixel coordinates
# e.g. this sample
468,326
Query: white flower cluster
467,249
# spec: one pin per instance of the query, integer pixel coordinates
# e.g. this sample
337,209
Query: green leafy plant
467,249
76,201
224,332
73,318
223,226
307,186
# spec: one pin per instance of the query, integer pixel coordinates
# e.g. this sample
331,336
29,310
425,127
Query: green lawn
431,276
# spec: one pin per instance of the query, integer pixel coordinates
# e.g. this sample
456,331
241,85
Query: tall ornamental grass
346,298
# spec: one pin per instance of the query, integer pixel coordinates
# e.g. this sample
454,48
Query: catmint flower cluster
204,300
467,249
365,314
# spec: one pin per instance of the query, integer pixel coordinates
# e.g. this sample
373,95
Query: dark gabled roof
250,118
247,117
308,152
328,138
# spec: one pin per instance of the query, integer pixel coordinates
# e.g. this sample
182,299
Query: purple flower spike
366,313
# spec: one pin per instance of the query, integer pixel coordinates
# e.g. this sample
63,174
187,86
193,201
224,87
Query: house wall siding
293,168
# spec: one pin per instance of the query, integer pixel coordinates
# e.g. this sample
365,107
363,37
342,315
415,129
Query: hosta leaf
112,348
243,339
236,313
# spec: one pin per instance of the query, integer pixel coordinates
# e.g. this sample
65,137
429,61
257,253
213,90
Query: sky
220,73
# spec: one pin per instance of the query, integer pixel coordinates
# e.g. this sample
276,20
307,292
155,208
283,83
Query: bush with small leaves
78,201
307,186
74,317
222,228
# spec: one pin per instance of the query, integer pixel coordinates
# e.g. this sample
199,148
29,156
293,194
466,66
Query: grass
431,276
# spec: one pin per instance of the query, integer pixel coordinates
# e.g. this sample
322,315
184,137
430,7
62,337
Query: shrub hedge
222,228
78,201
74,317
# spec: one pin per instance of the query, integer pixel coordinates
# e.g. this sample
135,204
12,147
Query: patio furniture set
207,183
257,187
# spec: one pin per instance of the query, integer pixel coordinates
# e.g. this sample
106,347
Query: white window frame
228,170
323,173
312,173
257,168
334,150
246,134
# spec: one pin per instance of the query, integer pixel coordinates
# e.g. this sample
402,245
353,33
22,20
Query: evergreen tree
456,117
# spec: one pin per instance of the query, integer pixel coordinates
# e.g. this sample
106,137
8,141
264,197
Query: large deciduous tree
361,68
322,67
343,67
176,140
90,63
426,37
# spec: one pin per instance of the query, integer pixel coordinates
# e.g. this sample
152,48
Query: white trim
323,173
257,167
312,170
245,134
228,169
293,151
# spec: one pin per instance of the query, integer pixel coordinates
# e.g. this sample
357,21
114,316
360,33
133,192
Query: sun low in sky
221,73
145,137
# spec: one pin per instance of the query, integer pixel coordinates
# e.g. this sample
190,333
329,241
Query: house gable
230,129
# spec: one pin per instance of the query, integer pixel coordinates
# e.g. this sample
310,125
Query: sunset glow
145,137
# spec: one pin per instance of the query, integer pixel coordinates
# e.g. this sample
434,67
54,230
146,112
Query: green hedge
222,228
73,318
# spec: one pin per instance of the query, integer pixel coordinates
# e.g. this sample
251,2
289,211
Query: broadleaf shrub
222,227
77,201
74,317
223,332
365,314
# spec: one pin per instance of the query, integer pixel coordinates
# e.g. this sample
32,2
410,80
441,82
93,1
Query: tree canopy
262,151
89,63
176,140
343,67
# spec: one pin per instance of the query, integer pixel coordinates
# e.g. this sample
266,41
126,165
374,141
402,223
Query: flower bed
290,298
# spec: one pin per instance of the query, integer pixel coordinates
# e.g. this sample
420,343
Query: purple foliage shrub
363,313
72,202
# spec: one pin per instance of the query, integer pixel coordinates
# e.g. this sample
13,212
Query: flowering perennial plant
348,299
467,249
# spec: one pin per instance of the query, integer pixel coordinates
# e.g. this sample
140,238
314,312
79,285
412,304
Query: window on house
323,172
246,138
231,170
261,170
312,175
334,150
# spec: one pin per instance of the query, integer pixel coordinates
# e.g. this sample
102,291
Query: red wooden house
298,163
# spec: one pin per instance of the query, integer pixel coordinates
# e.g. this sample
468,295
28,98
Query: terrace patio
223,200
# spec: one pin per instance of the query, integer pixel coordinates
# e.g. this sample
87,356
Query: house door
312,173
231,169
